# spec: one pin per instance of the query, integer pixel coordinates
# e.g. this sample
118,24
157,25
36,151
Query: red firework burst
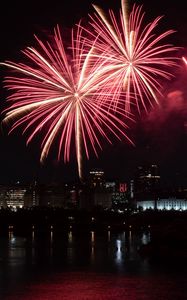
59,93
134,57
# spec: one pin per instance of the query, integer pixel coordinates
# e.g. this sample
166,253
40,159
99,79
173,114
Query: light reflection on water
83,266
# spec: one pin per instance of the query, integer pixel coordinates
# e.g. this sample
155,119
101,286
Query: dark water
85,266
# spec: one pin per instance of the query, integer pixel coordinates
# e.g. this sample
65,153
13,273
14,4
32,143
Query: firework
58,93
136,60
184,59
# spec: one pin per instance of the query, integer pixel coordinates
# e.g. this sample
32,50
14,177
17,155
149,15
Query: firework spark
184,59
58,93
135,58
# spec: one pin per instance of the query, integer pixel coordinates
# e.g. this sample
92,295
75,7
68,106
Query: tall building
31,197
97,179
120,199
146,182
96,194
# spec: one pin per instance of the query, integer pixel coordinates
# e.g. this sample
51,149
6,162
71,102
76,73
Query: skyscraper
146,182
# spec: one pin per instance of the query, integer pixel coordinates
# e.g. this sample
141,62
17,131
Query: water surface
88,265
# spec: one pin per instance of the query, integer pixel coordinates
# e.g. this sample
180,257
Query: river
85,266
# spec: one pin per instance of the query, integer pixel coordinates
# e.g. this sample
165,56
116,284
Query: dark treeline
43,219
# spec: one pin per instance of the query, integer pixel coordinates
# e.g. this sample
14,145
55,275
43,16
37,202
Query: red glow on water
94,286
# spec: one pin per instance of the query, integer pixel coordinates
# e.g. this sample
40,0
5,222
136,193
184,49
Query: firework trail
184,59
135,58
58,93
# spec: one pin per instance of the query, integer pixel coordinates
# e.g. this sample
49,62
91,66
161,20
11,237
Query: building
15,196
31,197
3,196
97,179
121,193
146,183
54,195
163,204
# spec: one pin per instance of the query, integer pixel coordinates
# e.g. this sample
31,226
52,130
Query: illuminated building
31,197
172,203
15,196
149,196
97,193
146,183
147,178
163,204
132,189
75,191
120,199
110,186
97,179
145,204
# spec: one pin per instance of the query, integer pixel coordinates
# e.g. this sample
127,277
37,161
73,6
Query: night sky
160,136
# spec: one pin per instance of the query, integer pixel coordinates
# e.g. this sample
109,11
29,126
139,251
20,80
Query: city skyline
160,137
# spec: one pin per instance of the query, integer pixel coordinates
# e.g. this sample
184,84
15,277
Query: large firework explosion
135,59
57,94
82,94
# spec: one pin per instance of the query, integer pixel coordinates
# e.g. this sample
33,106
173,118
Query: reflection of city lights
10,227
51,243
70,247
92,236
33,235
92,248
12,238
145,238
93,253
118,252
118,244
51,236
70,237
108,235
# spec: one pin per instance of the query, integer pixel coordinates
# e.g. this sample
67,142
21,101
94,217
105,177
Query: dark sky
160,136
